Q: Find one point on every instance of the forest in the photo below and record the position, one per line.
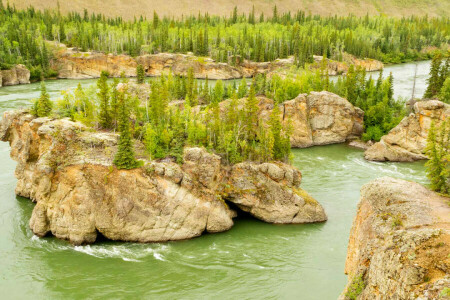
(226, 39)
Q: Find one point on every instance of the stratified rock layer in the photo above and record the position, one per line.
(67, 169)
(407, 141)
(399, 242)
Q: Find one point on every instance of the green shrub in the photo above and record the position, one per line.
(356, 287)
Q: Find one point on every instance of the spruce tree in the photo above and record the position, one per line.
(251, 110)
(242, 89)
(435, 152)
(434, 80)
(124, 158)
(103, 96)
(114, 103)
(444, 95)
(44, 105)
(140, 74)
(275, 127)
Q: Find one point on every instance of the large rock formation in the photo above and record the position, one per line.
(407, 141)
(74, 64)
(399, 243)
(19, 74)
(317, 118)
(67, 170)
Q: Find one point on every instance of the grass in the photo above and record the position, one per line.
(128, 9)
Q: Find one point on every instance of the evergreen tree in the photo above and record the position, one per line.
(44, 105)
(242, 89)
(444, 95)
(114, 103)
(434, 80)
(218, 91)
(103, 96)
(275, 127)
(351, 85)
(124, 158)
(437, 151)
(140, 73)
(251, 110)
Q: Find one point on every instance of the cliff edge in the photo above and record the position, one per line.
(399, 243)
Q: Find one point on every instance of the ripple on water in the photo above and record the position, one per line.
(127, 252)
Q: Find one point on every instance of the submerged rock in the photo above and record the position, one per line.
(399, 243)
(67, 170)
(407, 141)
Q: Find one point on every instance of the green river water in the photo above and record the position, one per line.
(253, 260)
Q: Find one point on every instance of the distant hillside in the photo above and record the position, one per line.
(130, 8)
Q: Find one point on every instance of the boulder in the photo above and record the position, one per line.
(271, 193)
(399, 243)
(67, 170)
(19, 74)
(407, 141)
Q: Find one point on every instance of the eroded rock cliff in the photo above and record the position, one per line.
(73, 64)
(407, 141)
(19, 74)
(399, 243)
(67, 170)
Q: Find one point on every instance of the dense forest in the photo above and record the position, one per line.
(226, 39)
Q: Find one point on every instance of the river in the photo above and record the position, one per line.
(253, 260)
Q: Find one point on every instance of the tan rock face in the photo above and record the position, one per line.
(399, 242)
(319, 118)
(76, 65)
(338, 67)
(19, 74)
(81, 65)
(407, 141)
(67, 170)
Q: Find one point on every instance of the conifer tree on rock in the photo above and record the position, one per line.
(43, 106)
(434, 81)
(251, 110)
(124, 158)
(103, 96)
(438, 152)
(140, 73)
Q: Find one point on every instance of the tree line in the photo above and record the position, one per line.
(226, 39)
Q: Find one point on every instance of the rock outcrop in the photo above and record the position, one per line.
(341, 67)
(407, 141)
(67, 170)
(19, 74)
(317, 118)
(399, 243)
(73, 64)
